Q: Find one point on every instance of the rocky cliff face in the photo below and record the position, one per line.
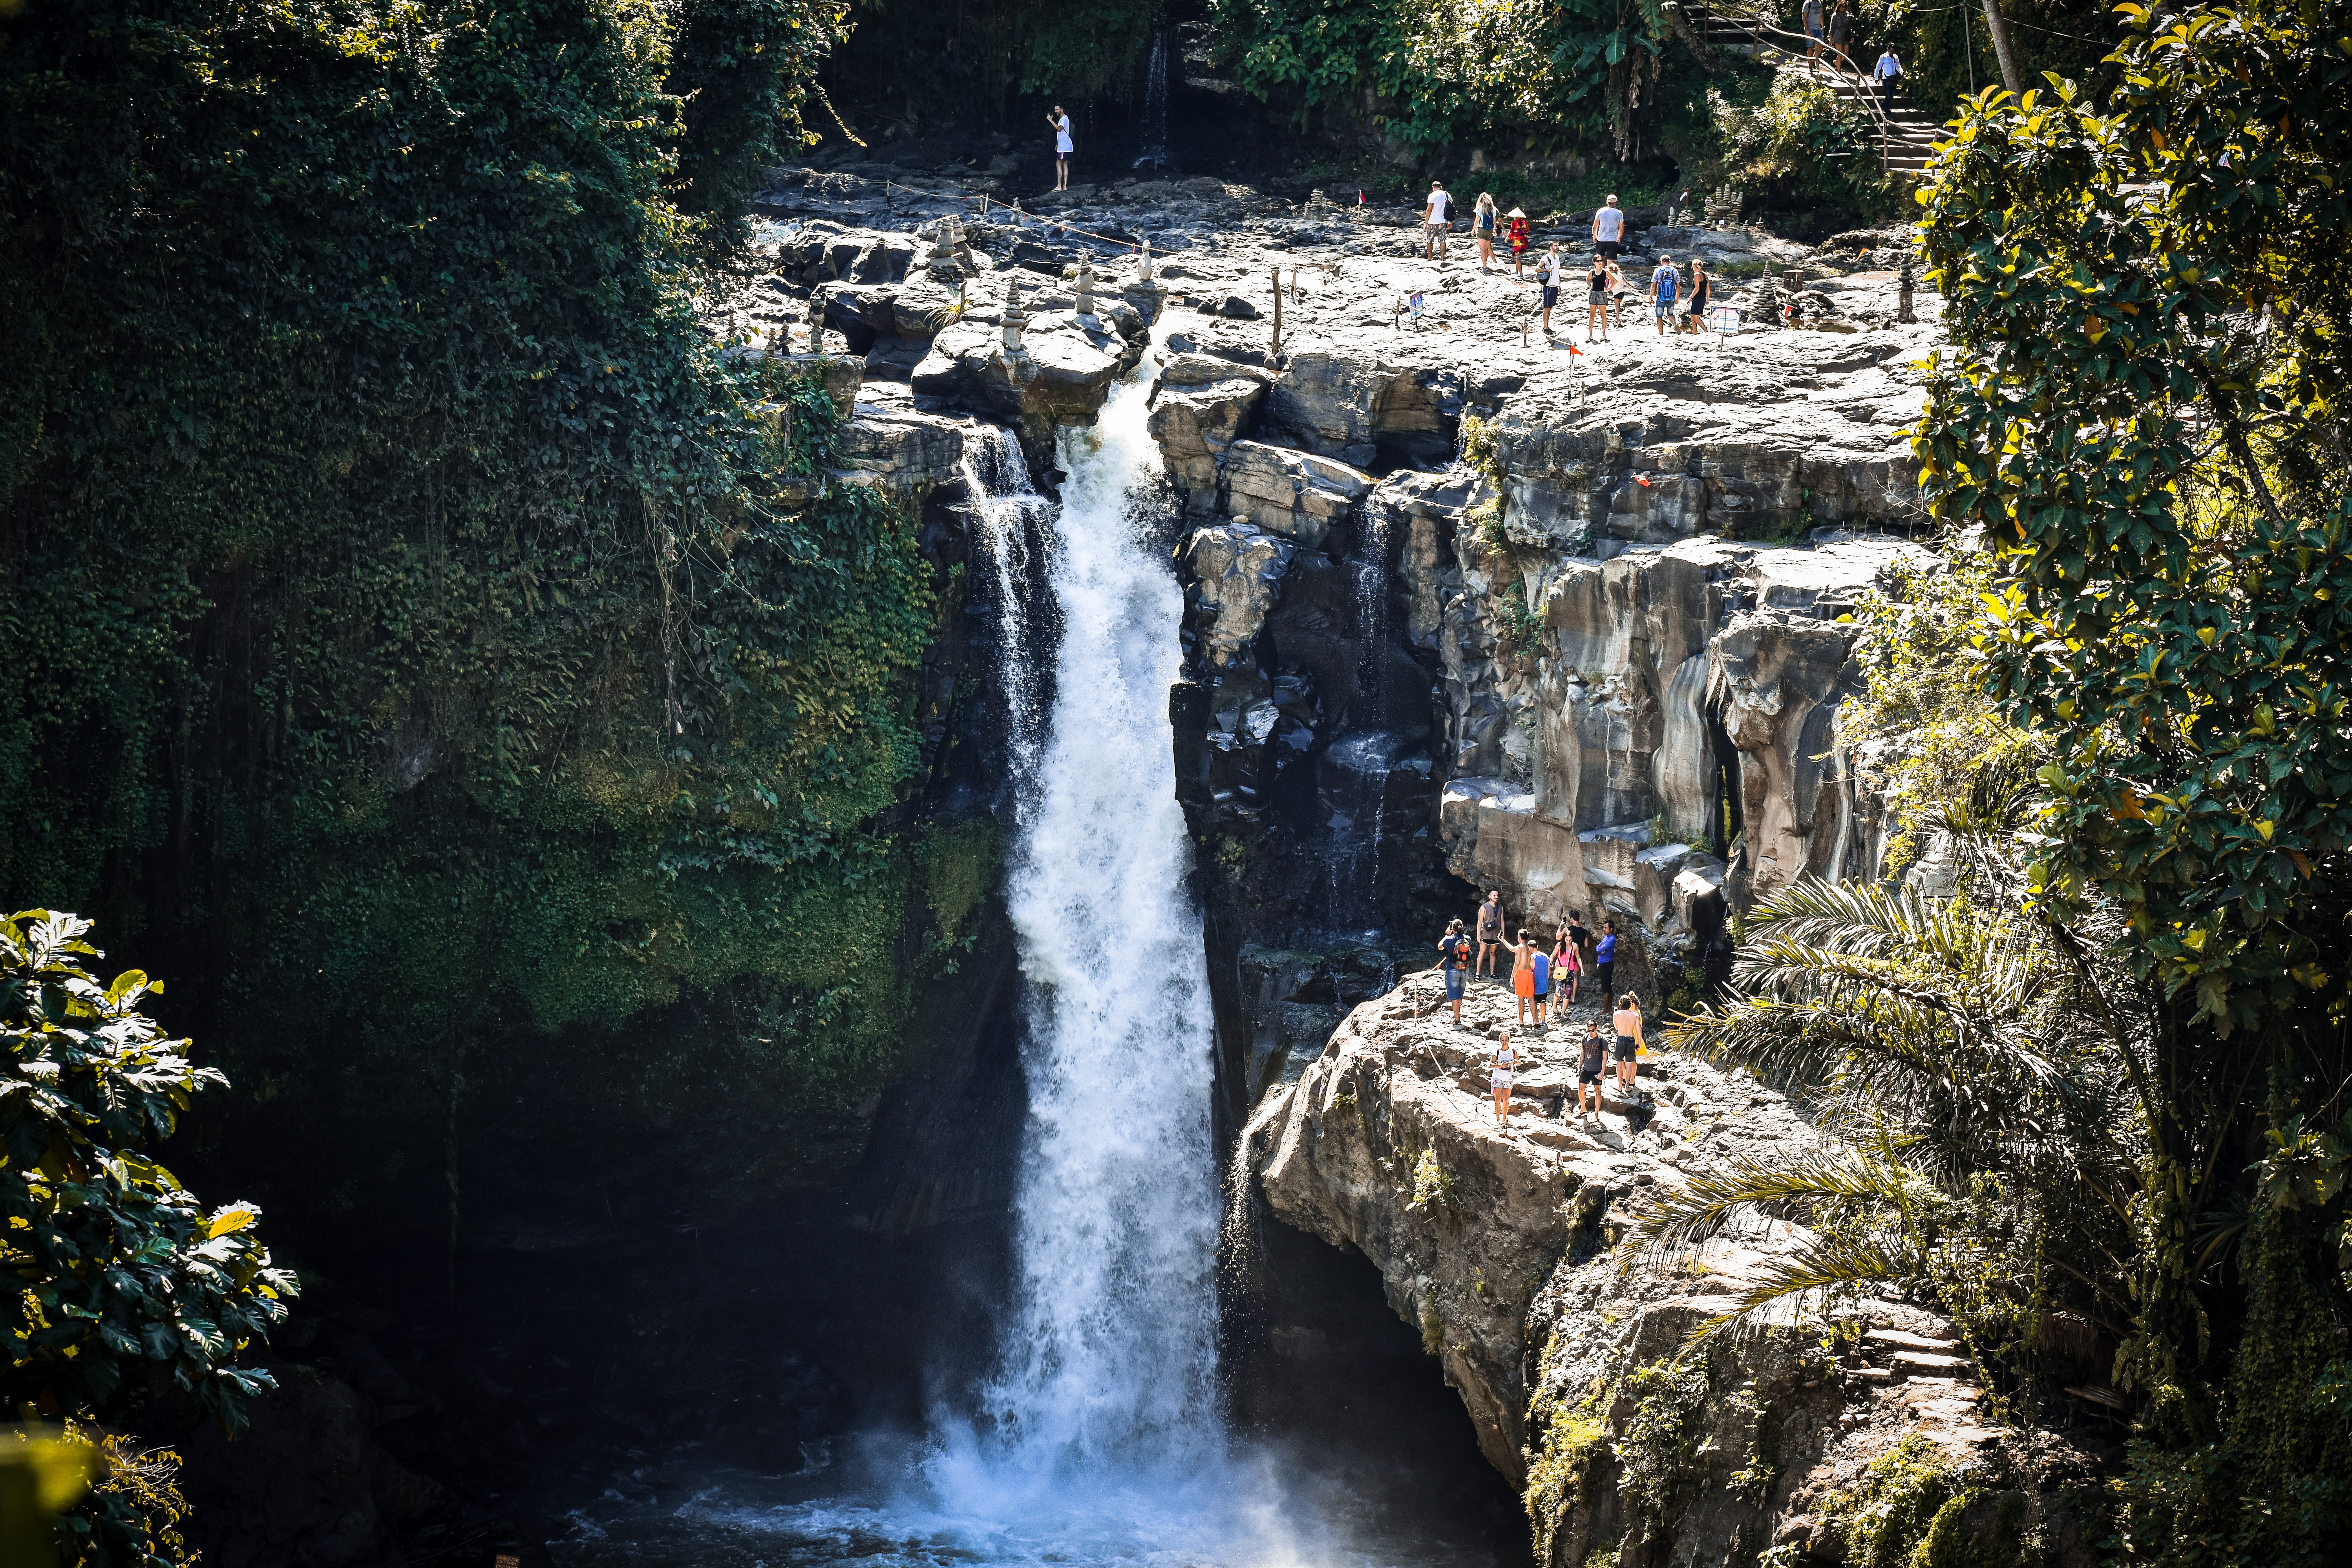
(1498, 1241)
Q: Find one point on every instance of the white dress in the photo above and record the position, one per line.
(1062, 147)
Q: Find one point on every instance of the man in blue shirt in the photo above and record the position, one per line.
(1666, 284)
(1604, 959)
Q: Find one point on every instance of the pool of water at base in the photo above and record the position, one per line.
(892, 1505)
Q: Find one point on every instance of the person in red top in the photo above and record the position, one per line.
(1517, 233)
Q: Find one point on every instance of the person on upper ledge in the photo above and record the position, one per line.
(1490, 931)
(1060, 122)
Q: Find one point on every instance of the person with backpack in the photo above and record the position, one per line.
(1548, 272)
(1567, 966)
(1666, 283)
(1454, 963)
(1490, 928)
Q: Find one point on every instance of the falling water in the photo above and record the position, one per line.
(1109, 1343)
(1153, 136)
(1013, 520)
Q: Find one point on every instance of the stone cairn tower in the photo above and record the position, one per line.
(1903, 305)
(1086, 287)
(1014, 319)
(1768, 299)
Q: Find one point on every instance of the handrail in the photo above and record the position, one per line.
(1766, 33)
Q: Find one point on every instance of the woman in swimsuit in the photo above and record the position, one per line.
(1506, 1062)
(1482, 228)
(1523, 973)
(1628, 1020)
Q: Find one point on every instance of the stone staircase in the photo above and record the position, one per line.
(1909, 135)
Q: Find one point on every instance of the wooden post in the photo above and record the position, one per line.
(1277, 312)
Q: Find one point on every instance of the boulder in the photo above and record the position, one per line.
(1237, 572)
(1296, 494)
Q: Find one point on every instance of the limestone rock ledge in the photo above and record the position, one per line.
(1497, 1242)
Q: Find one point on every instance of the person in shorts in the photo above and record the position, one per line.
(1490, 929)
(1842, 36)
(1567, 966)
(1548, 272)
(1523, 975)
(1816, 29)
(1666, 284)
(1060, 122)
(1434, 227)
(1506, 1062)
(1454, 963)
(1541, 964)
(1591, 1064)
(1628, 1020)
(1596, 315)
(1699, 293)
(1484, 221)
(1609, 229)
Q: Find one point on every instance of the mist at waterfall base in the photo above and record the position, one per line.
(1096, 1435)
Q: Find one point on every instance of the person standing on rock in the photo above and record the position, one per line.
(1434, 227)
(1517, 233)
(1540, 963)
(1609, 229)
(1060, 122)
(1590, 1066)
(1596, 313)
(1454, 963)
(1523, 973)
(1628, 1020)
(1483, 220)
(1604, 959)
(1699, 292)
(1664, 284)
(1549, 273)
(1506, 1062)
(1567, 966)
(1490, 929)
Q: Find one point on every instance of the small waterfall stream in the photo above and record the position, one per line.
(1151, 138)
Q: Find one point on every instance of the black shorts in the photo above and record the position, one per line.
(1589, 1075)
(1612, 248)
(1551, 296)
(1626, 1047)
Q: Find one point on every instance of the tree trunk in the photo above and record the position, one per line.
(1999, 31)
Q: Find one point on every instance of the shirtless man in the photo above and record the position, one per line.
(1490, 931)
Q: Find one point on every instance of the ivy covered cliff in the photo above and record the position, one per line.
(419, 642)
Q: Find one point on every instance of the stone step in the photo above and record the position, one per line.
(1914, 1365)
(1899, 1340)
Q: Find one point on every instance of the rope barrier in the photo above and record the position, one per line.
(1013, 208)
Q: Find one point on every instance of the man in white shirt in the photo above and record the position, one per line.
(1887, 70)
(1434, 227)
(1548, 272)
(1609, 229)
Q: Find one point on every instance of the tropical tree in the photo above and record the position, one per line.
(122, 1286)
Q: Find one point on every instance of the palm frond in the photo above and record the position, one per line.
(1778, 1296)
(1714, 1198)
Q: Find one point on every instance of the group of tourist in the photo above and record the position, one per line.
(1605, 287)
(1544, 980)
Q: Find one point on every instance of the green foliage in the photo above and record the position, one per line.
(1567, 1437)
(124, 1286)
(1803, 150)
(404, 608)
(1950, 766)
(2144, 412)
(1432, 1186)
(1889, 1520)
(922, 67)
(1657, 1447)
(1505, 75)
(1984, 1152)
(741, 71)
(133, 1516)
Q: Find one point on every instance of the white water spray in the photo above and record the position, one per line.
(1109, 1344)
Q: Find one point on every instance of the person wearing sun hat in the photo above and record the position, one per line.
(1515, 231)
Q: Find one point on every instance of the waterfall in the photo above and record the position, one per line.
(1011, 521)
(1152, 138)
(1109, 1346)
